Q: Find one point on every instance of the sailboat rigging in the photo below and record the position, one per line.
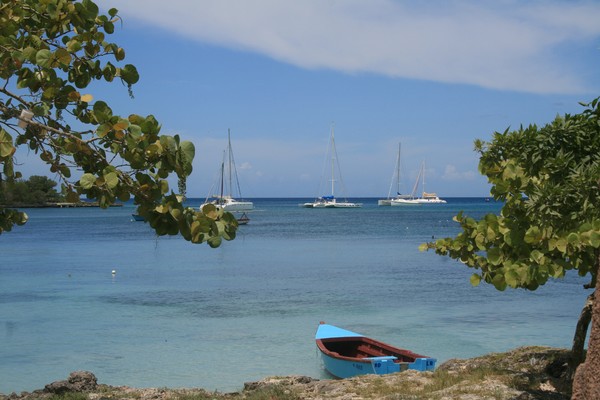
(229, 178)
(426, 198)
(395, 177)
(331, 201)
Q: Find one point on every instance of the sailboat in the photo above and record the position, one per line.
(396, 177)
(229, 182)
(426, 198)
(331, 201)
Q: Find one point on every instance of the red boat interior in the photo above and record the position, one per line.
(362, 347)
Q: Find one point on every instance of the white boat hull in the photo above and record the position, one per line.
(232, 205)
(321, 203)
(431, 201)
(405, 202)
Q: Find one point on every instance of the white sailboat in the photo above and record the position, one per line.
(331, 201)
(426, 198)
(229, 184)
(396, 178)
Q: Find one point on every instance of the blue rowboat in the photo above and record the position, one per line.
(346, 354)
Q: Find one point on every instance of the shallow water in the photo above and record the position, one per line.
(183, 315)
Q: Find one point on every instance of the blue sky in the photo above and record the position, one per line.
(433, 75)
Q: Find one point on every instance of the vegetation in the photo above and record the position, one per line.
(53, 54)
(35, 191)
(549, 181)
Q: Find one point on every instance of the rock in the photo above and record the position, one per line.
(79, 381)
(527, 373)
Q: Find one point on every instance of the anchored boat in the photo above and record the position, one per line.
(346, 354)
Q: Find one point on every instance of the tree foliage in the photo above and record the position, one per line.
(549, 181)
(37, 190)
(51, 52)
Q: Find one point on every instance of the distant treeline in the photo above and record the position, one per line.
(35, 191)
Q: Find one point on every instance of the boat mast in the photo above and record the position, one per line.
(423, 172)
(398, 170)
(414, 191)
(332, 162)
(222, 178)
(230, 155)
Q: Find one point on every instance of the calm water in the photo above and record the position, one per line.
(183, 315)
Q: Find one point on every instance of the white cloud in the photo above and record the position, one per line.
(504, 44)
(245, 166)
(452, 174)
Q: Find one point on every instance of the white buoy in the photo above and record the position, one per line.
(114, 271)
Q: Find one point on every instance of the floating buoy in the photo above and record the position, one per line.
(114, 271)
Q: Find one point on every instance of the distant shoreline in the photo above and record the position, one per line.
(60, 205)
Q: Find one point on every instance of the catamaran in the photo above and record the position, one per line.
(426, 198)
(331, 201)
(228, 176)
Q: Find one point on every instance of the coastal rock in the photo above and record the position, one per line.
(78, 381)
(526, 373)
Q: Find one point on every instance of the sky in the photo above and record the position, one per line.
(279, 74)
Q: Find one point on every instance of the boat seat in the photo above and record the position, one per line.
(369, 351)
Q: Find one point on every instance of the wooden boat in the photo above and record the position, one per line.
(243, 219)
(346, 354)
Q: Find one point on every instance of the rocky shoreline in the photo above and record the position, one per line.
(524, 373)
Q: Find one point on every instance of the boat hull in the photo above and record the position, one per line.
(346, 354)
(229, 204)
(405, 202)
(330, 202)
(239, 206)
(431, 201)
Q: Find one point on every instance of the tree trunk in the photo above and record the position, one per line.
(586, 385)
(578, 349)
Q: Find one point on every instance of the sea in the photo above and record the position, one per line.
(90, 289)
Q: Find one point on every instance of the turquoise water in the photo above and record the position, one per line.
(183, 315)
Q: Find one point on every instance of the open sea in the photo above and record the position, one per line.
(181, 315)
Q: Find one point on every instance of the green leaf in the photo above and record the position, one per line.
(74, 46)
(475, 279)
(561, 245)
(111, 179)
(6, 145)
(87, 181)
(129, 74)
(572, 238)
(62, 56)
(512, 278)
(595, 239)
(215, 242)
(533, 235)
(537, 256)
(188, 152)
(44, 58)
(494, 256)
